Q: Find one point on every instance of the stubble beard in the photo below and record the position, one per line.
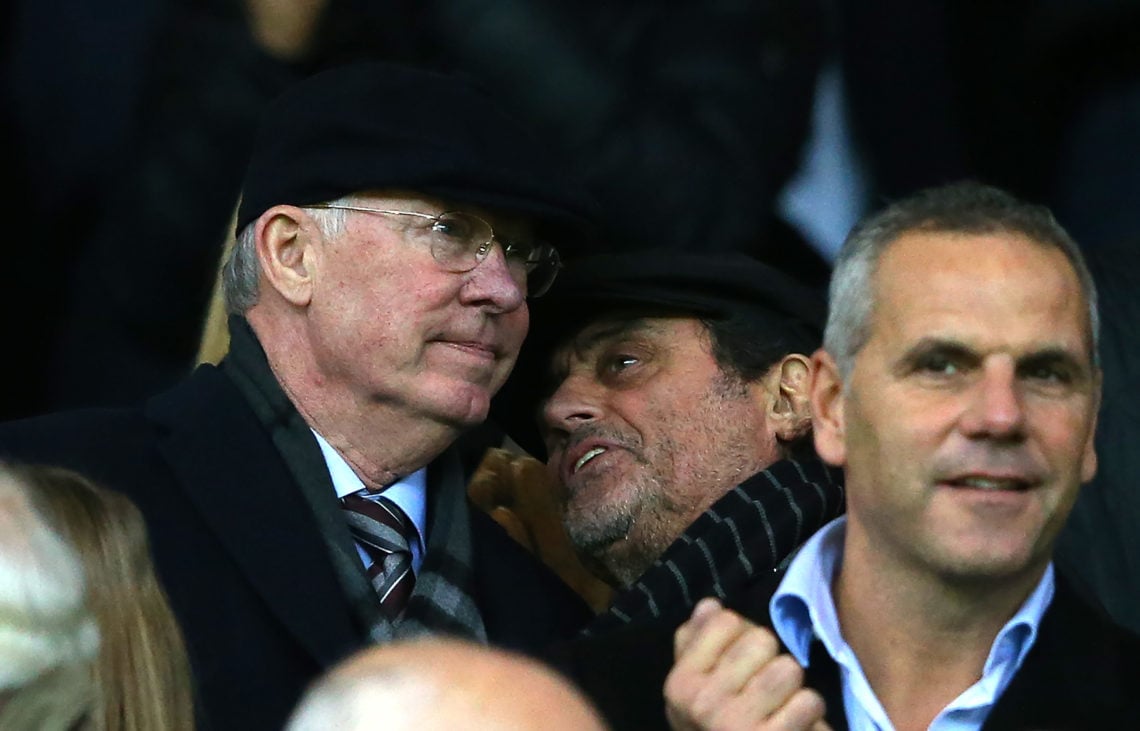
(603, 533)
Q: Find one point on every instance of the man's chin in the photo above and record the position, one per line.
(594, 537)
(459, 404)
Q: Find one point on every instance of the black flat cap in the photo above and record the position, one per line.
(372, 125)
(715, 286)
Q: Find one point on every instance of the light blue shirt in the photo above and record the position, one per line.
(410, 493)
(803, 609)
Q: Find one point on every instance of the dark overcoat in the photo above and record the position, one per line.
(240, 554)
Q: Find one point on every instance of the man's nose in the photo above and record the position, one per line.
(996, 409)
(491, 283)
(577, 401)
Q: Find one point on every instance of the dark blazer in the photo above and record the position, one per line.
(1083, 672)
(239, 552)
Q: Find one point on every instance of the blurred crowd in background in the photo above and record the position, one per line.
(762, 125)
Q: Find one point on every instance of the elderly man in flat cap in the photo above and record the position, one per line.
(670, 392)
(307, 497)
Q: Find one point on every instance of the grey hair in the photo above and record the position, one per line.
(967, 208)
(241, 270)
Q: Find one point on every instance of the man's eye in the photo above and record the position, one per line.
(1050, 374)
(451, 228)
(619, 363)
(938, 365)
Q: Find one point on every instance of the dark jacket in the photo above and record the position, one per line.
(240, 554)
(1083, 672)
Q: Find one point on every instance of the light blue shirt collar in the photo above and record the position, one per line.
(803, 609)
(410, 493)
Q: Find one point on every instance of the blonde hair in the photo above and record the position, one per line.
(48, 636)
(142, 672)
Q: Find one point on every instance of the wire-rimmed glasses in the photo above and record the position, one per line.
(461, 241)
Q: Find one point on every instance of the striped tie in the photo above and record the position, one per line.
(382, 530)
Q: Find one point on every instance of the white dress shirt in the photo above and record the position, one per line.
(803, 609)
(410, 493)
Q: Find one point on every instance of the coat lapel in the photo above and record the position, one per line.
(230, 470)
(1080, 673)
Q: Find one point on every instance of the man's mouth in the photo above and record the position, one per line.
(585, 458)
(580, 454)
(479, 349)
(990, 483)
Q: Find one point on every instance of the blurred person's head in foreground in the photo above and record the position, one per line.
(48, 636)
(421, 685)
(142, 672)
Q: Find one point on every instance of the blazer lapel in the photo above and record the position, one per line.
(1074, 675)
(229, 468)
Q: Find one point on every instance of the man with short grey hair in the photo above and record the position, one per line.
(958, 387)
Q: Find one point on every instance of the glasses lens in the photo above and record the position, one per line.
(544, 269)
(533, 265)
(460, 241)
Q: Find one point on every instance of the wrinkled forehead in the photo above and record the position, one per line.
(973, 281)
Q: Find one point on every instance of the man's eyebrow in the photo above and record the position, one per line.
(946, 347)
(591, 335)
(584, 342)
(1055, 356)
(952, 348)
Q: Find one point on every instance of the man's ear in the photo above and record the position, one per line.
(285, 238)
(1088, 457)
(789, 411)
(827, 404)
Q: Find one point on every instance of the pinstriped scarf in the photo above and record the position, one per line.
(750, 532)
(442, 601)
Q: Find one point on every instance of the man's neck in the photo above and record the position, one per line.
(380, 442)
(919, 641)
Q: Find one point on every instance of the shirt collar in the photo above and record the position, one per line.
(803, 609)
(410, 492)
